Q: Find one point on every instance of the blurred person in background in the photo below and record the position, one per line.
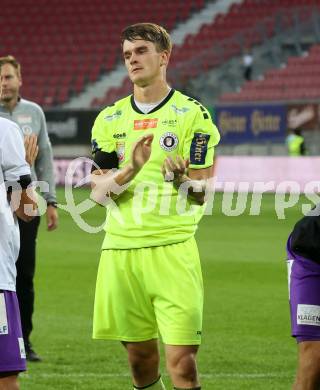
(31, 120)
(303, 251)
(295, 143)
(247, 61)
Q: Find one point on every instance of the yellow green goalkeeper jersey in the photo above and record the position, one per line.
(152, 212)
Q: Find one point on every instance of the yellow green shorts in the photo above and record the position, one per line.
(146, 291)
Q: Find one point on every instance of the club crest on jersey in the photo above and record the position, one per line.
(120, 148)
(26, 130)
(143, 124)
(169, 141)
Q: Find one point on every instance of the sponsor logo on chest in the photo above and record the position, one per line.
(178, 110)
(120, 150)
(111, 117)
(25, 119)
(143, 124)
(169, 122)
(119, 135)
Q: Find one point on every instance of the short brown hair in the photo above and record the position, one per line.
(148, 32)
(12, 61)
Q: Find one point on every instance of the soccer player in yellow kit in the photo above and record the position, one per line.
(149, 279)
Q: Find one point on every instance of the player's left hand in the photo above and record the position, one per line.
(31, 147)
(52, 218)
(173, 169)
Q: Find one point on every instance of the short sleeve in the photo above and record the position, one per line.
(13, 161)
(202, 137)
(101, 137)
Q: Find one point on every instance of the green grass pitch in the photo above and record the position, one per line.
(246, 334)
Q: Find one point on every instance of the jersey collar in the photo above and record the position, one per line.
(4, 107)
(135, 108)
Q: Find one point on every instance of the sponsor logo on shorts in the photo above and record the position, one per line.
(143, 124)
(169, 141)
(21, 348)
(3, 316)
(289, 268)
(308, 315)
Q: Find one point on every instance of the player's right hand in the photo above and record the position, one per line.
(174, 169)
(141, 151)
(30, 144)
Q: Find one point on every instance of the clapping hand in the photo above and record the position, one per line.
(141, 152)
(174, 169)
(30, 144)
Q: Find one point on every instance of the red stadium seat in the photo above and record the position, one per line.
(298, 81)
(78, 39)
(223, 29)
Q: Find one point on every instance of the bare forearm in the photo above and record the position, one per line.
(111, 184)
(125, 175)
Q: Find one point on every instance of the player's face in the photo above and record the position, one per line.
(10, 83)
(144, 63)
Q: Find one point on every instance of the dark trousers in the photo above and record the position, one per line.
(248, 73)
(26, 265)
